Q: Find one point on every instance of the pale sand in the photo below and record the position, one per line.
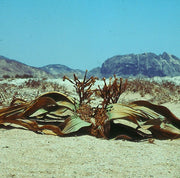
(26, 154)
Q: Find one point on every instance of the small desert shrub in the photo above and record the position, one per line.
(33, 83)
(5, 93)
(43, 86)
(142, 86)
(23, 76)
(6, 76)
(171, 86)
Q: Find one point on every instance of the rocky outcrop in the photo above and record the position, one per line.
(145, 64)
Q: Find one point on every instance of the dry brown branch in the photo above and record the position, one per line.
(112, 91)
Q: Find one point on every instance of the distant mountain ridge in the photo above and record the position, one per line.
(59, 70)
(11, 68)
(130, 65)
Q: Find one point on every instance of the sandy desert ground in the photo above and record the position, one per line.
(26, 154)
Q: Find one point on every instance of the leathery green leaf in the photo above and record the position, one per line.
(66, 104)
(57, 96)
(39, 112)
(74, 124)
(118, 111)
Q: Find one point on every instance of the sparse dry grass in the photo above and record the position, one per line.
(160, 92)
(28, 90)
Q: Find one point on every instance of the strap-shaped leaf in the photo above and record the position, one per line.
(74, 124)
(119, 111)
(162, 110)
(164, 131)
(57, 110)
(157, 119)
(67, 105)
(12, 110)
(54, 102)
(57, 96)
(39, 112)
(41, 102)
(61, 100)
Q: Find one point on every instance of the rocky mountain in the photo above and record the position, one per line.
(145, 64)
(130, 65)
(12, 68)
(59, 70)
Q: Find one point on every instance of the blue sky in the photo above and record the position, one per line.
(84, 33)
